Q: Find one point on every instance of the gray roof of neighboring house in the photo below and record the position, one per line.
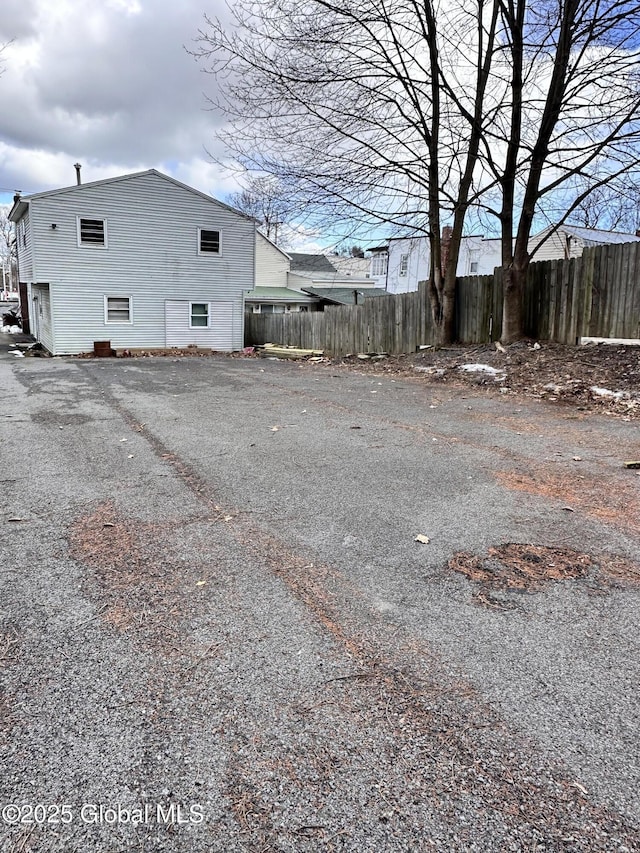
(277, 294)
(597, 236)
(589, 236)
(302, 262)
(345, 295)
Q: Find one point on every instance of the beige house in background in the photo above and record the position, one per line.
(290, 282)
(568, 241)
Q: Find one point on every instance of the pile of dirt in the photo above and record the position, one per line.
(595, 377)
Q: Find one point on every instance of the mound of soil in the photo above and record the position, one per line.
(602, 377)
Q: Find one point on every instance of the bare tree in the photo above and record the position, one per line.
(570, 120)
(8, 255)
(263, 200)
(409, 114)
(349, 106)
(611, 208)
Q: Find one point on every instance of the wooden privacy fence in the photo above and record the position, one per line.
(596, 295)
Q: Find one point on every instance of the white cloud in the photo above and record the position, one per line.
(109, 85)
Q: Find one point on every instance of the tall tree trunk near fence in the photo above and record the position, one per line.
(514, 279)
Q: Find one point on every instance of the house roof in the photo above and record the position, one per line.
(19, 207)
(303, 263)
(345, 295)
(597, 236)
(590, 236)
(349, 266)
(277, 294)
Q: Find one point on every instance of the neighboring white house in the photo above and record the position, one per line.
(400, 264)
(404, 261)
(141, 260)
(568, 241)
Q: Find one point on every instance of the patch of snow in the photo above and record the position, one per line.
(606, 392)
(436, 371)
(498, 375)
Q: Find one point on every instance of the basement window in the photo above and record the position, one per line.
(208, 242)
(92, 232)
(198, 315)
(117, 309)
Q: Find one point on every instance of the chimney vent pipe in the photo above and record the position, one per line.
(77, 167)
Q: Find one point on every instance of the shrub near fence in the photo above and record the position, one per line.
(596, 295)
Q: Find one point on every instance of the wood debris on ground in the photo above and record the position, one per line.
(278, 351)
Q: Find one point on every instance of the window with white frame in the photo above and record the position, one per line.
(404, 264)
(379, 264)
(92, 232)
(208, 241)
(473, 268)
(118, 309)
(198, 315)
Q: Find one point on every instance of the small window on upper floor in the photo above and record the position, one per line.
(208, 242)
(92, 232)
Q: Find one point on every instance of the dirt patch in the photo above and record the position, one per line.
(618, 505)
(554, 372)
(529, 568)
(138, 574)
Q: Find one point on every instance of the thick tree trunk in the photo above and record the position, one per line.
(442, 292)
(514, 281)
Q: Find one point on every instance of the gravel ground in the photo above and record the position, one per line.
(215, 615)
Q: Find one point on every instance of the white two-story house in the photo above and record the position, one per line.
(140, 260)
(403, 262)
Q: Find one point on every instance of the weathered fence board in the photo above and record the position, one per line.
(597, 295)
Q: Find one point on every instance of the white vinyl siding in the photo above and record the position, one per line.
(24, 245)
(118, 309)
(218, 335)
(272, 265)
(407, 264)
(152, 228)
(556, 247)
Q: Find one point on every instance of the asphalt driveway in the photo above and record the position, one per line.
(218, 631)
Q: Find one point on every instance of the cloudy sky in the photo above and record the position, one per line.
(107, 84)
